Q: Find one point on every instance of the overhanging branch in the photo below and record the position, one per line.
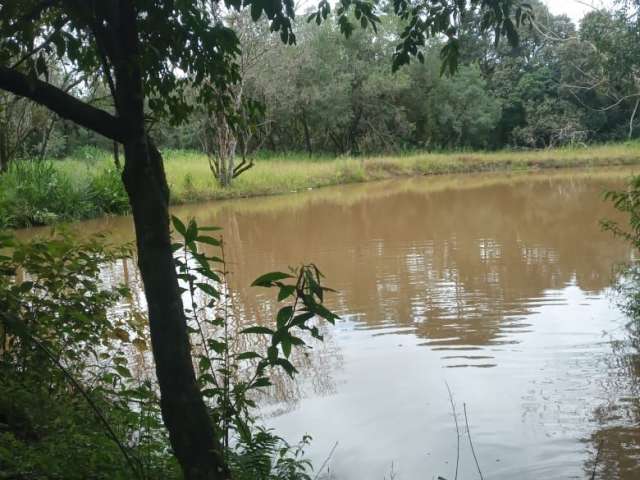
(65, 105)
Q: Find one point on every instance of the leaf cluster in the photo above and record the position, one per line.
(231, 366)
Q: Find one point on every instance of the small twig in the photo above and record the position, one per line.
(455, 419)
(473, 450)
(595, 464)
(326, 461)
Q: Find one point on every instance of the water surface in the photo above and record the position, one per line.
(495, 287)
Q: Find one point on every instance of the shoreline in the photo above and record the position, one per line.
(191, 181)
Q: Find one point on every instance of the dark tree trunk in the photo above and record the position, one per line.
(307, 135)
(4, 150)
(191, 430)
(116, 155)
(184, 413)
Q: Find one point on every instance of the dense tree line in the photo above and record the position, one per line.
(564, 84)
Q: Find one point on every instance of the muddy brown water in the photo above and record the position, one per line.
(495, 287)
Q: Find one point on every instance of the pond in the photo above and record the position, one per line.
(478, 325)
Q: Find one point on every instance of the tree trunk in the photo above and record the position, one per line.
(184, 413)
(116, 155)
(191, 430)
(632, 118)
(307, 135)
(45, 138)
(4, 149)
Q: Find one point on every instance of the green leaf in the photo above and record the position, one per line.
(286, 291)
(259, 330)
(243, 431)
(256, 10)
(210, 274)
(208, 240)
(286, 347)
(261, 382)
(248, 355)
(209, 392)
(297, 341)
(301, 319)
(287, 366)
(179, 226)
(267, 279)
(284, 315)
(325, 313)
(208, 289)
(217, 346)
(204, 363)
(192, 231)
(123, 371)
(272, 354)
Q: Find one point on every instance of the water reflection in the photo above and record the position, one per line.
(615, 444)
(496, 284)
(461, 268)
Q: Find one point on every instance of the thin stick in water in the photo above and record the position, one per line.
(473, 450)
(595, 464)
(455, 419)
(326, 461)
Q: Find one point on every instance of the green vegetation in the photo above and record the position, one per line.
(88, 185)
(188, 179)
(71, 381)
(566, 84)
(44, 192)
(146, 75)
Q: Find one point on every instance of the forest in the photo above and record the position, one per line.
(174, 337)
(564, 84)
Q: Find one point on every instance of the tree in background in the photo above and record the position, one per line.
(603, 69)
(230, 127)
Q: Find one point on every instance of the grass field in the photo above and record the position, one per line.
(190, 179)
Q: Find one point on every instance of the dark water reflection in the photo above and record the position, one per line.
(497, 285)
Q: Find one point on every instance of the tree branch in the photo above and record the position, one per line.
(30, 17)
(63, 104)
(44, 43)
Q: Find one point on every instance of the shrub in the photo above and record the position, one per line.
(106, 192)
(70, 406)
(37, 193)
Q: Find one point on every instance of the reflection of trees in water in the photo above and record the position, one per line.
(461, 259)
(615, 444)
(616, 441)
(316, 365)
(461, 267)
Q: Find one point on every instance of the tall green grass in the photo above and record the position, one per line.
(38, 193)
(190, 179)
(87, 185)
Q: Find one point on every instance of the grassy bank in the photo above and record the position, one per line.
(190, 179)
(86, 185)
